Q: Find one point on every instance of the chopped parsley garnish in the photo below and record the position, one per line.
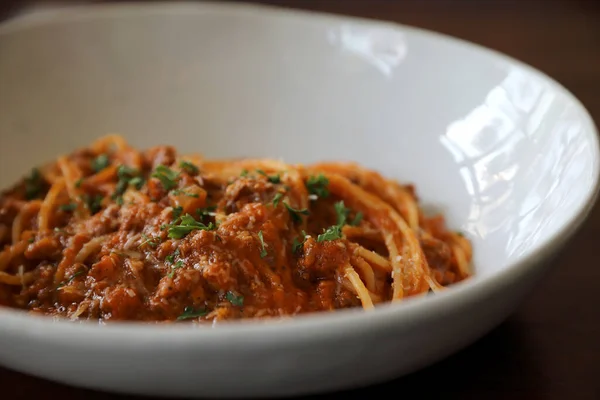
(206, 211)
(189, 312)
(177, 192)
(332, 233)
(127, 176)
(274, 179)
(244, 173)
(31, 240)
(33, 184)
(178, 265)
(166, 176)
(93, 203)
(171, 257)
(150, 241)
(335, 232)
(271, 178)
(357, 218)
(236, 300)
(277, 198)
(263, 251)
(78, 182)
(187, 225)
(137, 182)
(342, 215)
(342, 212)
(68, 207)
(100, 162)
(120, 188)
(297, 244)
(295, 214)
(75, 275)
(124, 171)
(317, 185)
(177, 212)
(189, 167)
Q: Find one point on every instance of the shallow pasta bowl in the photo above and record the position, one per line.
(507, 154)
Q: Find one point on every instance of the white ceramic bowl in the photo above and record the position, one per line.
(509, 155)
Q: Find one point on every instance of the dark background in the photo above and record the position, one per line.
(550, 347)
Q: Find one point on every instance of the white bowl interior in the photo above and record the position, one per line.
(508, 155)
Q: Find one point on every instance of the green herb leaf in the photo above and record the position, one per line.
(297, 244)
(78, 182)
(317, 185)
(126, 176)
(332, 233)
(100, 162)
(31, 240)
(33, 184)
(125, 171)
(271, 178)
(68, 207)
(295, 214)
(335, 232)
(177, 192)
(277, 198)
(120, 188)
(187, 225)
(342, 212)
(178, 265)
(263, 252)
(236, 300)
(75, 275)
(171, 257)
(93, 203)
(189, 167)
(206, 211)
(189, 312)
(150, 241)
(244, 173)
(357, 218)
(274, 179)
(166, 176)
(137, 182)
(177, 212)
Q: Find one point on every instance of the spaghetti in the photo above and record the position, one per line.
(110, 232)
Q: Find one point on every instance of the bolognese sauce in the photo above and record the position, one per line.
(110, 232)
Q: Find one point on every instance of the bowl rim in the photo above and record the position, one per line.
(328, 325)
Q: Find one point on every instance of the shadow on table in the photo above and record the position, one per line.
(481, 368)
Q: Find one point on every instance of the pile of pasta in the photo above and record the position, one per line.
(114, 232)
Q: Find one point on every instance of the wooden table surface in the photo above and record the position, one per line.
(550, 347)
